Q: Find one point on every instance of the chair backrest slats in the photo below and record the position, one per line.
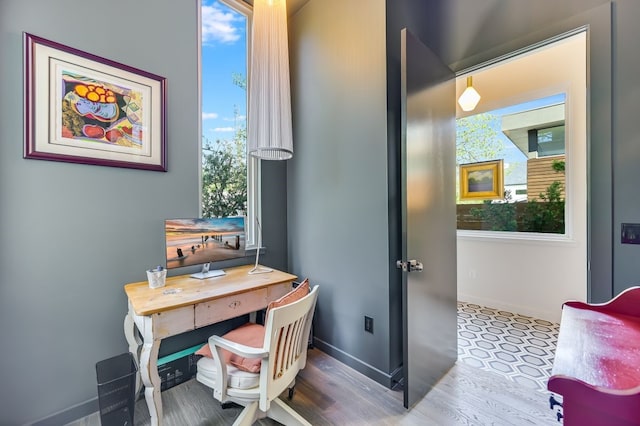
(286, 339)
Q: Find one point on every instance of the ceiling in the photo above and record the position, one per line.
(294, 5)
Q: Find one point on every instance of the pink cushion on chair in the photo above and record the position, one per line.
(236, 378)
(294, 295)
(249, 334)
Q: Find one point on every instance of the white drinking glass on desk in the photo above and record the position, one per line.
(156, 277)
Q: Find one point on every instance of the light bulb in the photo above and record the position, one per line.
(469, 98)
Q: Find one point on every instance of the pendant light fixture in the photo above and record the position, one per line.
(470, 97)
(269, 134)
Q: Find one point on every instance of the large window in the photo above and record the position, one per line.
(230, 180)
(529, 138)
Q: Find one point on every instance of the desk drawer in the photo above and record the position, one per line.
(230, 307)
(170, 323)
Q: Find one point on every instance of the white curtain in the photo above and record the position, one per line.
(269, 116)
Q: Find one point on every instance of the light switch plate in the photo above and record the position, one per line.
(630, 233)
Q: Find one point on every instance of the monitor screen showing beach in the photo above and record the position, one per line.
(197, 241)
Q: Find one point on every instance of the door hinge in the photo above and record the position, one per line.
(410, 266)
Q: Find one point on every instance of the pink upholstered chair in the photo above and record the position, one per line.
(282, 355)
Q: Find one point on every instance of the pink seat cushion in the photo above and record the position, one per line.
(249, 334)
(236, 378)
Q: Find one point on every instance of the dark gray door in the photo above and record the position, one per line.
(428, 218)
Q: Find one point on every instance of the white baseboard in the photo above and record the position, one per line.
(530, 311)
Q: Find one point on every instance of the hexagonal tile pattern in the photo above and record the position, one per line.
(535, 351)
(494, 330)
(533, 360)
(538, 342)
(501, 366)
(474, 363)
(466, 335)
(479, 353)
(485, 345)
(464, 343)
(514, 340)
(509, 347)
(510, 358)
(529, 371)
(489, 337)
(515, 346)
(515, 332)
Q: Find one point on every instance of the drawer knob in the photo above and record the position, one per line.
(234, 304)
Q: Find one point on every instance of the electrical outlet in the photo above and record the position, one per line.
(368, 324)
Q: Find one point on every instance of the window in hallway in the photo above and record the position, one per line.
(529, 139)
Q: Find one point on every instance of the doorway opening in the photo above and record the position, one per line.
(522, 248)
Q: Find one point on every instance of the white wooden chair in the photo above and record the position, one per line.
(283, 354)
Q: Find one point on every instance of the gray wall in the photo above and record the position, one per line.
(626, 140)
(329, 118)
(72, 235)
(337, 180)
(465, 33)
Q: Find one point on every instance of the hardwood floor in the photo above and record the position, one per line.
(331, 393)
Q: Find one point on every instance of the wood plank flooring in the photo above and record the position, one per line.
(331, 393)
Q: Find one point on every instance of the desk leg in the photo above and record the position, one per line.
(134, 342)
(150, 377)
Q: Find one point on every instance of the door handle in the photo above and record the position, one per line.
(410, 265)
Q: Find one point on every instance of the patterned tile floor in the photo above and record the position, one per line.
(518, 347)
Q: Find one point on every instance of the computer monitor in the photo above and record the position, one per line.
(201, 241)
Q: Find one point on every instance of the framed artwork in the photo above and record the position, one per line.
(81, 108)
(482, 181)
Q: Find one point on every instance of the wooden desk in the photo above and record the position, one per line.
(186, 303)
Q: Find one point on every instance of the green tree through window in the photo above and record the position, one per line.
(225, 188)
(476, 138)
(224, 176)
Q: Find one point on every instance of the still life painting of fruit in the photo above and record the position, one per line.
(86, 109)
(101, 112)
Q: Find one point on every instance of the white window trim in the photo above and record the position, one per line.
(567, 237)
(571, 145)
(254, 187)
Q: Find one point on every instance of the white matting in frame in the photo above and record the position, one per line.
(82, 108)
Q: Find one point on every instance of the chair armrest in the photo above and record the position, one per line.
(217, 343)
(237, 348)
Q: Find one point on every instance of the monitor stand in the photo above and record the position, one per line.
(206, 273)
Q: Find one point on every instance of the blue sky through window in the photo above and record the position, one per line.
(511, 153)
(527, 106)
(224, 41)
(515, 160)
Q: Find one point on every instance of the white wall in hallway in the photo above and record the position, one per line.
(534, 275)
